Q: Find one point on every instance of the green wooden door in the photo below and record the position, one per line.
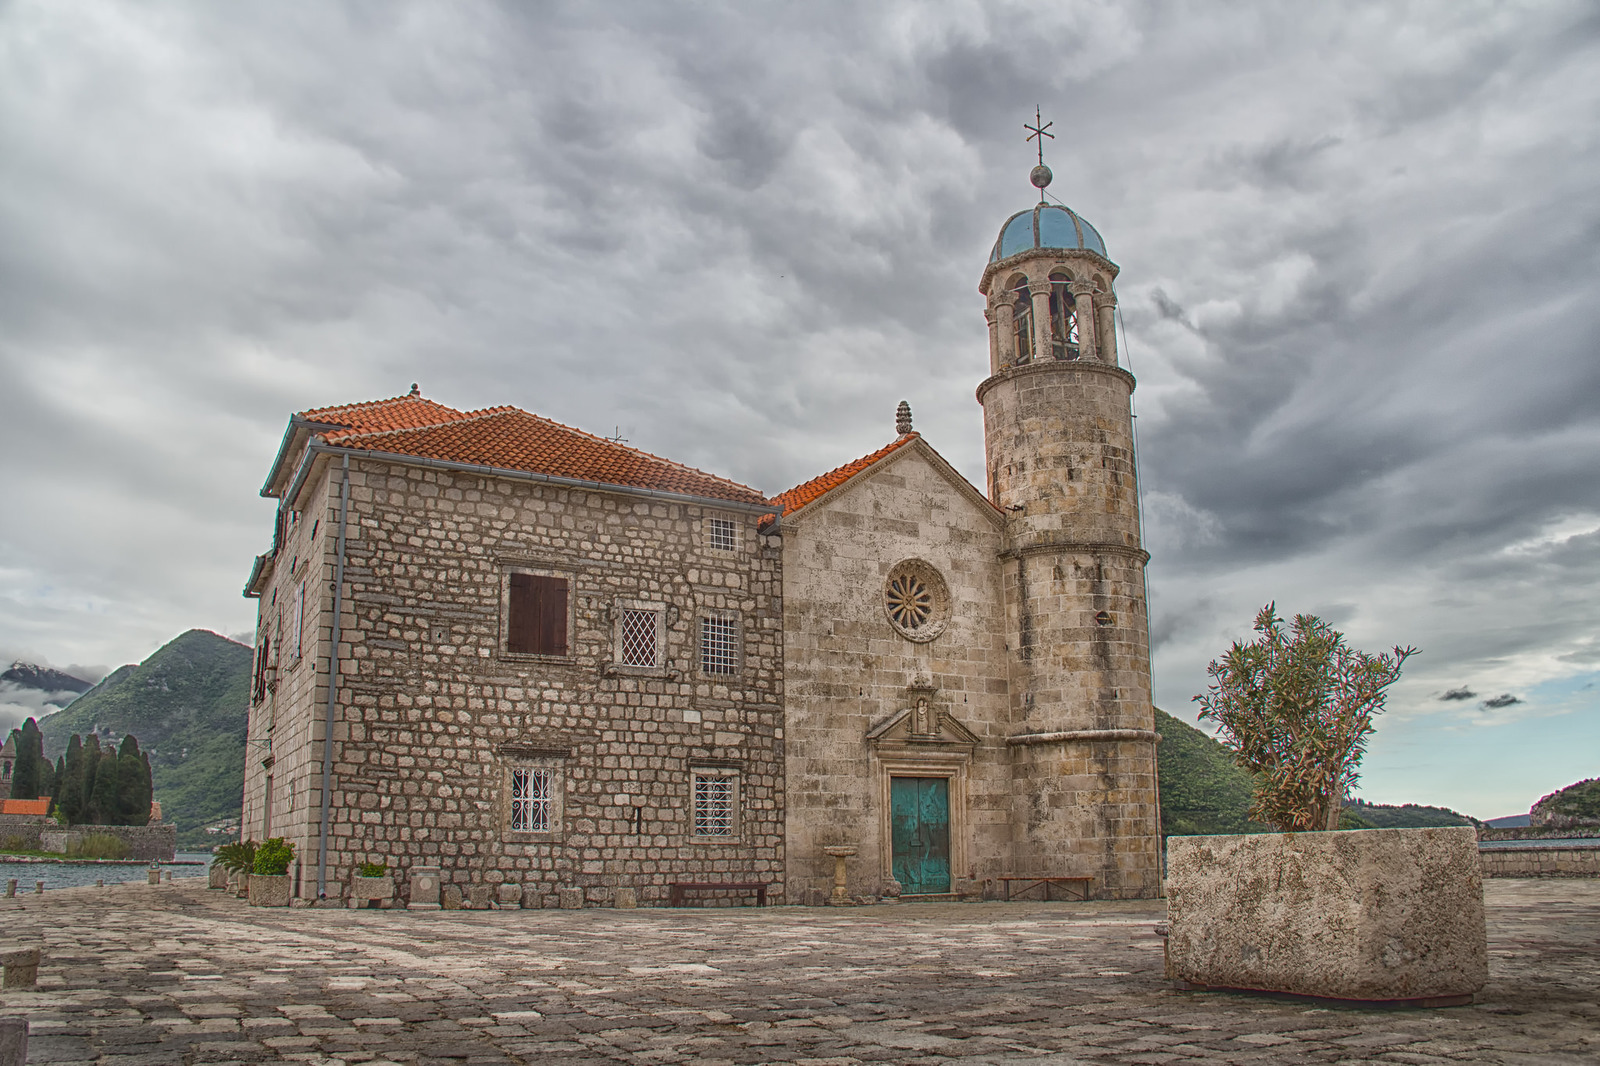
(919, 819)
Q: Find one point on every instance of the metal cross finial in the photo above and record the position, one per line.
(1039, 131)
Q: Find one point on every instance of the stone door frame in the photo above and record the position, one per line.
(949, 765)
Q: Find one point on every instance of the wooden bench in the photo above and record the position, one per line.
(1085, 885)
(676, 889)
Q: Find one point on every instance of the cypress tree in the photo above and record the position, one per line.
(30, 753)
(47, 777)
(69, 781)
(133, 784)
(91, 767)
(55, 785)
(103, 797)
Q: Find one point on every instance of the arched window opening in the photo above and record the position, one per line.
(1022, 321)
(1063, 319)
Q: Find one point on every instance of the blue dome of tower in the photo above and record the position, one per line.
(1046, 226)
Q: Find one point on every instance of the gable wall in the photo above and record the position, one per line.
(847, 669)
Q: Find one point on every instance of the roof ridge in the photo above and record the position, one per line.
(638, 451)
(365, 405)
(461, 416)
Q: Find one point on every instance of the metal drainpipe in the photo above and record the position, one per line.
(333, 681)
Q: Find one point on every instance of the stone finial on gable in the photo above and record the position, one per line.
(902, 418)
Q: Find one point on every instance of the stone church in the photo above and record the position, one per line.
(548, 660)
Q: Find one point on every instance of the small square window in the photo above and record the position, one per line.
(722, 535)
(714, 805)
(639, 630)
(532, 799)
(719, 645)
(536, 609)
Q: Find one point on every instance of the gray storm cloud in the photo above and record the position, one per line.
(1357, 248)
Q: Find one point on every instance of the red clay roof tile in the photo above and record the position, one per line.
(512, 439)
(804, 493)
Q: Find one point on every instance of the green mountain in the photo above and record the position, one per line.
(1204, 791)
(187, 704)
(1575, 805)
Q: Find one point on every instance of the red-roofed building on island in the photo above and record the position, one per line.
(557, 670)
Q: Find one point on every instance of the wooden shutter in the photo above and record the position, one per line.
(521, 626)
(550, 593)
(538, 615)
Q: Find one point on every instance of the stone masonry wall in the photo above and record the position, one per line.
(433, 714)
(1059, 446)
(848, 669)
(1540, 862)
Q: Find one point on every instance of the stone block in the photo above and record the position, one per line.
(424, 889)
(625, 899)
(1376, 914)
(13, 1041)
(365, 891)
(450, 897)
(21, 966)
(154, 875)
(571, 899)
(217, 877)
(479, 897)
(269, 890)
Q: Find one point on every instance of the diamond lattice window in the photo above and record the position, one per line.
(723, 535)
(719, 645)
(713, 806)
(531, 800)
(639, 637)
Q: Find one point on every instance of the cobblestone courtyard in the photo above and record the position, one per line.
(177, 974)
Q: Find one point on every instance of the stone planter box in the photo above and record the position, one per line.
(366, 890)
(269, 890)
(217, 877)
(1374, 914)
(239, 885)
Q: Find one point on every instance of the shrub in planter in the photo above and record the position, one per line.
(1378, 914)
(371, 884)
(269, 878)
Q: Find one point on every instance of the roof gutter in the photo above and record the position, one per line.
(315, 449)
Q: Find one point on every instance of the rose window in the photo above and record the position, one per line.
(916, 600)
(910, 603)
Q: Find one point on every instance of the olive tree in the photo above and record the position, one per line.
(1295, 707)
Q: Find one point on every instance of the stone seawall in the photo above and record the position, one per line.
(1536, 832)
(153, 842)
(1540, 862)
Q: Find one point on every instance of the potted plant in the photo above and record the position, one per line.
(1375, 914)
(371, 884)
(269, 878)
(235, 860)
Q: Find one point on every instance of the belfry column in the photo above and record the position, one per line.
(1039, 292)
(995, 358)
(1083, 308)
(1106, 304)
(1008, 334)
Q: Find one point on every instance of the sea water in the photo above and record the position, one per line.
(76, 874)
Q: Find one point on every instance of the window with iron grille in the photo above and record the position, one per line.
(723, 535)
(531, 800)
(713, 805)
(719, 645)
(639, 630)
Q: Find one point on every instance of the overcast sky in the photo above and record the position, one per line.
(1359, 276)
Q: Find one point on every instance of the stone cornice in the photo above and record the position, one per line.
(1086, 547)
(1056, 366)
(1084, 736)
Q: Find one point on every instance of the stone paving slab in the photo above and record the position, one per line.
(176, 974)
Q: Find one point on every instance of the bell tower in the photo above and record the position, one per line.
(1058, 435)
